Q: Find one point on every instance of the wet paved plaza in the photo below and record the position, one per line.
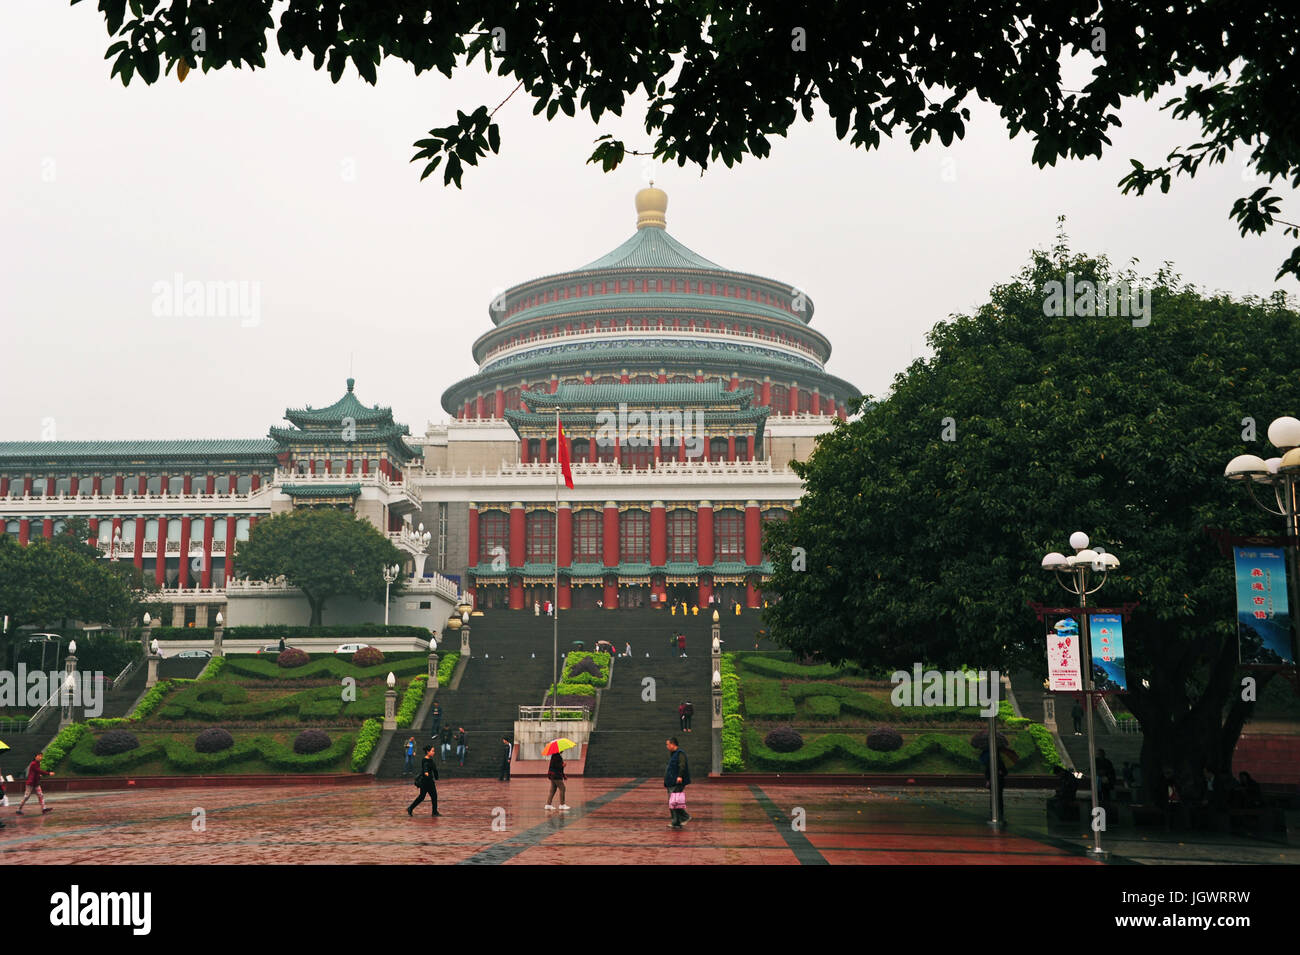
(489, 822)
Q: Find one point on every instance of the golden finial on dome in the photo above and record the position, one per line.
(651, 204)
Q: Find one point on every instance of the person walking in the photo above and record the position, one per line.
(681, 643)
(461, 745)
(681, 715)
(505, 758)
(428, 783)
(446, 742)
(33, 788)
(688, 710)
(409, 765)
(555, 773)
(437, 719)
(676, 778)
(627, 650)
(1076, 713)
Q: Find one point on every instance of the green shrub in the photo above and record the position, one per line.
(292, 658)
(64, 743)
(114, 742)
(213, 740)
(446, 667)
(84, 759)
(213, 669)
(783, 739)
(411, 700)
(766, 700)
(367, 657)
(733, 724)
(578, 670)
(884, 739)
(839, 745)
(326, 666)
(311, 741)
(1044, 744)
(371, 731)
(766, 665)
(822, 708)
(153, 699)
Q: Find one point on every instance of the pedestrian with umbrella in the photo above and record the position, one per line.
(555, 771)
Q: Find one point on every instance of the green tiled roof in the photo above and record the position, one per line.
(321, 490)
(209, 448)
(626, 569)
(652, 249)
(346, 407)
(663, 304)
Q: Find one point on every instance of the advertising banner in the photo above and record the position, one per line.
(1107, 633)
(1063, 656)
(1263, 617)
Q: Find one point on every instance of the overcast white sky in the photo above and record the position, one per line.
(243, 176)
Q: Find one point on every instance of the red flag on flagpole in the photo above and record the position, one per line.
(562, 452)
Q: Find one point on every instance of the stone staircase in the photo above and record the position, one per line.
(1120, 747)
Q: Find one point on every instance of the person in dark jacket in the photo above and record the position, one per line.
(508, 751)
(461, 745)
(676, 778)
(436, 716)
(427, 781)
(446, 742)
(555, 773)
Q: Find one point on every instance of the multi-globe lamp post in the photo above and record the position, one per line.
(390, 574)
(1282, 476)
(1078, 575)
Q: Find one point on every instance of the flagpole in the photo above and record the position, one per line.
(555, 559)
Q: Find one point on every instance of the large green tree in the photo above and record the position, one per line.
(925, 519)
(323, 552)
(723, 77)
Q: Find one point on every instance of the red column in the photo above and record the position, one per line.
(705, 455)
(47, 528)
(706, 592)
(346, 470)
(731, 447)
(753, 535)
(205, 581)
(681, 449)
(586, 377)
(735, 381)
(699, 375)
(144, 485)
(622, 377)
(311, 467)
(610, 536)
(555, 383)
(160, 561)
(473, 535)
(384, 467)
(659, 449)
(4, 486)
(49, 487)
(24, 531)
(230, 547)
(658, 534)
(564, 528)
(499, 406)
(184, 580)
(663, 376)
(256, 482)
(816, 401)
(27, 486)
(610, 597)
(543, 450)
(94, 530)
(365, 465)
(479, 411)
(138, 556)
(96, 486)
(210, 484)
(252, 522)
(565, 597)
(766, 399)
(234, 479)
(523, 450)
(618, 451)
(187, 484)
(794, 398)
(73, 486)
(704, 534)
(517, 525)
(163, 484)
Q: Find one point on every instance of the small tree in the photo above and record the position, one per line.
(324, 553)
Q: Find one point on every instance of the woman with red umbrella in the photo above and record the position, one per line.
(555, 771)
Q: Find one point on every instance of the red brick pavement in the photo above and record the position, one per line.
(612, 821)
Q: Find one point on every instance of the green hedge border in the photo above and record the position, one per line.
(367, 739)
(181, 756)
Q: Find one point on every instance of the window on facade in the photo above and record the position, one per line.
(681, 534)
(539, 537)
(241, 529)
(493, 532)
(302, 467)
(153, 484)
(588, 530)
(105, 532)
(86, 487)
(805, 401)
(511, 399)
(174, 529)
(243, 483)
(780, 399)
(57, 527)
(717, 449)
(38, 487)
(128, 530)
(63, 485)
(580, 450)
(442, 535)
(604, 449)
(776, 514)
(151, 529)
(219, 529)
(728, 535)
(634, 536)
(638, 456)
(13, 528)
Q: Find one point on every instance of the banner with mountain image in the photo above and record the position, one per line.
(1107, 633)
(1263, 615)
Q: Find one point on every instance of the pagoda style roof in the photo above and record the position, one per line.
(373, 425)
(223, 448)
(678, 393)
(321, 490)
(346, 407)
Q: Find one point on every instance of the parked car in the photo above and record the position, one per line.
(194, 654)
(350, 647)
(273, 649)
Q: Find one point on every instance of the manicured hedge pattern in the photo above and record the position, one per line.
(446, 667)
(733, 723)
(311, 741)
(223, 701)
(114, 742)
(840, 745)
(575, 659)
(214, 740)
(411, 700)
(326, 666)
(64, 743)
(783, 739)
(182, 756)
(274, 632)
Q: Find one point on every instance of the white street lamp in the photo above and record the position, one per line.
(390, 574)
(1073, 574)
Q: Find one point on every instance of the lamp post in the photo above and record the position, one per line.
(419, 540)
(390, 703)
(1282, 476)
(217, 633)
(154, 657)
(464, 610)
(1075, 575)
(66, 715)
(144, 634)
(715, 722)
(390, 574)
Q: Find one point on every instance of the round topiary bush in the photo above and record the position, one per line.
(114, 742)
(368, 657)
(783, 739)
(980, 740)
(213, 741)
(311, 741)
(293, 657)
(884, 739)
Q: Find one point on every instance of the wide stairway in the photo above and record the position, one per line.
(1120, 748)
